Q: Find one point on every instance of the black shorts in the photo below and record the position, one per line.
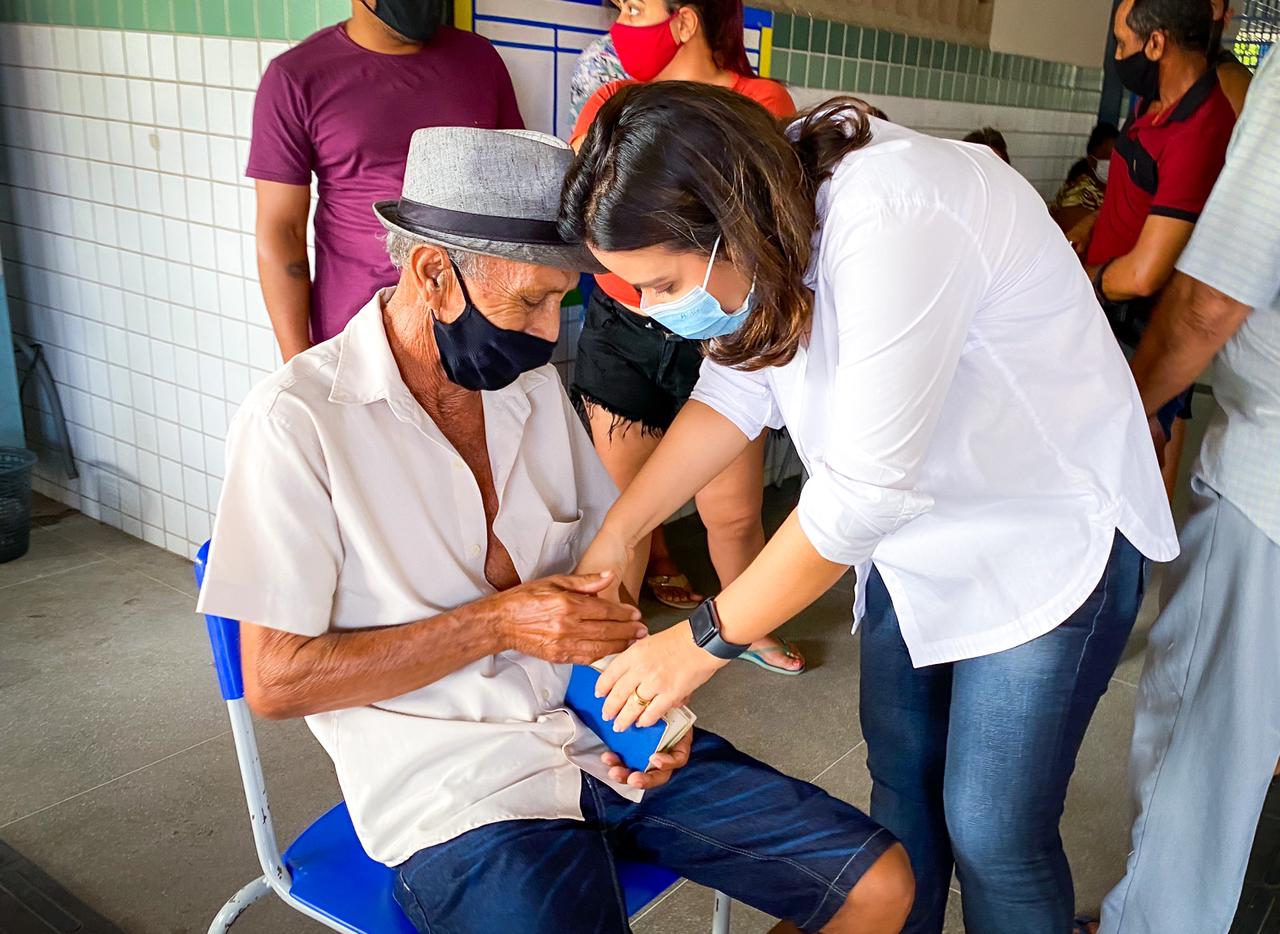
(633, 368)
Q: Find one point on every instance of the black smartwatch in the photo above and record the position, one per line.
(705, 623)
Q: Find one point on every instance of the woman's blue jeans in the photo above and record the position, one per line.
(970, 760)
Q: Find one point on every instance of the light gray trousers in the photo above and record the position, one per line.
(1207, 733)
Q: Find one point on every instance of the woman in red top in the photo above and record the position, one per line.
(632, 375)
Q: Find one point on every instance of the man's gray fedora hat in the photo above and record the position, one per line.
(495, 192)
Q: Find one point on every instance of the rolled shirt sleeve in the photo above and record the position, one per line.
(276, 550)
(1236, 244)
(906, 281)
(745, 398)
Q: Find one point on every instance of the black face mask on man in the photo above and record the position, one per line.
(416, 20)
(478, 355)
(1140, 74)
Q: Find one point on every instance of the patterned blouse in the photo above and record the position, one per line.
(1084, 191)
(597, 66)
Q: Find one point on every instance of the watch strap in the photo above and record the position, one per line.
(705, 623)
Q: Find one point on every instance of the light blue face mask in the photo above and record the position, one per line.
(696, 314)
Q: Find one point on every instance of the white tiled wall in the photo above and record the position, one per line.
(126, 228)
(1042, 143)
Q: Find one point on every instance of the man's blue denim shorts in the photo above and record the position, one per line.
(725, 820)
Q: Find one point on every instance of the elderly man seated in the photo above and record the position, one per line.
(400, 509)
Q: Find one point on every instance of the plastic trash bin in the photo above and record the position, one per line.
(15, 502)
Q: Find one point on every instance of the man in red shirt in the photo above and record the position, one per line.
(342, 105)
(1163, 167)
(1166, 160)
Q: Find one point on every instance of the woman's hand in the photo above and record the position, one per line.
(661, 670)
(608, 553)
(661, 766)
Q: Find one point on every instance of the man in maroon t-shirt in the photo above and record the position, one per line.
(1166, 160)
(343, 104)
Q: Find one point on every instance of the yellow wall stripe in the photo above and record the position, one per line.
(463, 15)
(766, 50)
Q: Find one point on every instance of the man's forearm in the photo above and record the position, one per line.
(294, 676)
(1125, 279)
(285, 275)
(1189, 326)
(1147, 268)
(283, 270)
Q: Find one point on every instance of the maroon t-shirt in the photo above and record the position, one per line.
(1165, 165)
(330, 107)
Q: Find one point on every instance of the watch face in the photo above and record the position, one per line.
(704, 628)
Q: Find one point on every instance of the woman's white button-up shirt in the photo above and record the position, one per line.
(966, 417)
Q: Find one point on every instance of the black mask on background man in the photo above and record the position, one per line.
(416, 20)
(478, 355)
(1140, 74)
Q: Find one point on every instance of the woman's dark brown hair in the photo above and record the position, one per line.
(676, 164)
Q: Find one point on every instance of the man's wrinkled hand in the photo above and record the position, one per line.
(661, 766)
(566, 619)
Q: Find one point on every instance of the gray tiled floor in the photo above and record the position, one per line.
(120, 779)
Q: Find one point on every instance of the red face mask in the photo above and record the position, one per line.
(645, 50)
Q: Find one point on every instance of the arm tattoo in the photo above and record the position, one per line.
(298, 269)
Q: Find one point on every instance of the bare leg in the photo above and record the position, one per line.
(878, 904)
(1173, 456)
(661, 564)
(730, 509)
(624, 450)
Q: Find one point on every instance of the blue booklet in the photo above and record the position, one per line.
(636, 745)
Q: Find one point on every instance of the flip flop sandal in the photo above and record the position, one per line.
(756, 657)
(1082, 923)
(659, 582)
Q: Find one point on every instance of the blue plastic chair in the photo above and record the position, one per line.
(325, 873)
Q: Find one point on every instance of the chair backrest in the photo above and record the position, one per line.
(224, 638)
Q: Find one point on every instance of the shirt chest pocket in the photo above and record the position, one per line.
(1141, 164)
(562, 546)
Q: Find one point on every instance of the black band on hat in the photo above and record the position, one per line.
(429, 220)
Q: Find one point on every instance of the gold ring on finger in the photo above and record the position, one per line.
(643, 702)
